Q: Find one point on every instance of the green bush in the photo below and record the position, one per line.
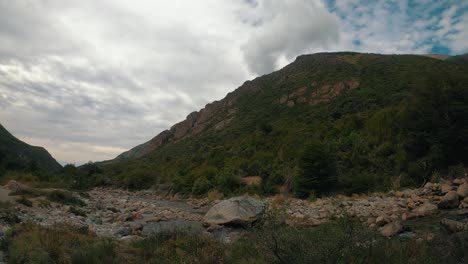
(28, 243)
(342, 241)
(179, 247)
(318, 171)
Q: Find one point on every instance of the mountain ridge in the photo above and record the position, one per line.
(20, 155)
(347, 104)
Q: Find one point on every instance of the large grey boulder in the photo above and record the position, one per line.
(449, 200)
(237, 211)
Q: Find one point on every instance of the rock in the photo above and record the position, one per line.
(462, 190)
(237, 210)
(449, 200)
(404, 217)
(124, 231)
(426, 209)
(171, 226)
(457, 181)
(445, 188)
(15, 186)
(213, 228)
(408, 192)
(391, 229)
(131, 238)
(453, 226)
(381, 220)
(429, 185)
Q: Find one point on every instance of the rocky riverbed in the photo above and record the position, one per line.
(131, 215)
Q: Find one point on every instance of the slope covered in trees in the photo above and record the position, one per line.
(380, 120)
(16, 155)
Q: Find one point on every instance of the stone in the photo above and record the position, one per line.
(426, 209)
(15, 186)
(171, 226)
(462, 190)
(457, 181)
(453, 226)
(237, 210)
(213, 228)
(391, 229)
(445, 188)
(381, 220)
(429, 185)
(449, 200)
(404, 217)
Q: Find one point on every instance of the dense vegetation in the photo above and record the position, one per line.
(404, 122)
(407, 120)
(343, 241)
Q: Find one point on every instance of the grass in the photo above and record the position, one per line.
(24, 201)
(270, 241)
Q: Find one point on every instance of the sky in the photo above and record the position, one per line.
(89, 79)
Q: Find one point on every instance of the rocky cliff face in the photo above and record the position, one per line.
(194, 123)
(307, 83)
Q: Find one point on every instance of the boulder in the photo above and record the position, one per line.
(381, 220)
(153, 228)
(445, 188)
(449, 200)
(15, 186)
(391, 229)
(462, 190)
(453, 226)
(457, 181)
(426, 209)
(237, 210)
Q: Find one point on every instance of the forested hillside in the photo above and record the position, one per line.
(327, 122)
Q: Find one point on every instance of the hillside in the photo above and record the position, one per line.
(17, 155)
(461, 59)
(376, 118)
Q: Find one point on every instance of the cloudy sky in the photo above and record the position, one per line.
(89, 79)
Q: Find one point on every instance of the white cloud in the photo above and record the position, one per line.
(287, 29)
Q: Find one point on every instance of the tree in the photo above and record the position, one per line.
(318, 171)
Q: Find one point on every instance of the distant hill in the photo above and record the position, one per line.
(381, 118)
(17, 155)
(461, 59)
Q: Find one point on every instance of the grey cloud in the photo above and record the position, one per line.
(289, 29)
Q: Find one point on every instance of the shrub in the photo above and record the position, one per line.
(179, 247)
(24, 201)
(29, 243)
(215, 195)
(318, 171)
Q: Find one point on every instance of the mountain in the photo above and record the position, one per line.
(17, 155)
(380, 118)
(461, 59)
